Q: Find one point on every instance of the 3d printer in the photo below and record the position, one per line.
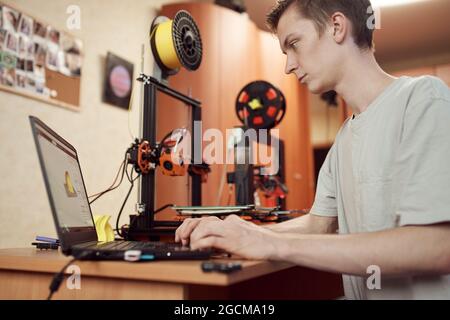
(175, 43)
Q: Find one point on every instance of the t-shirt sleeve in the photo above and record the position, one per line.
(325, 201)
(422, 167)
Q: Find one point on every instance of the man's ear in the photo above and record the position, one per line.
(340, 27)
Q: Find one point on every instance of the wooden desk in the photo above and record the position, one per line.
(27, 273)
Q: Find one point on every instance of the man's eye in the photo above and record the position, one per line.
(294, 44)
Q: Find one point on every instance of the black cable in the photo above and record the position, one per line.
(163, 207)
(59, 277)
(130, 178)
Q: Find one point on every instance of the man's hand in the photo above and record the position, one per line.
(233, 235)
(183, 233)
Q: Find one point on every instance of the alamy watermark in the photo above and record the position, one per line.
(257, 147)
(373, 282)
(374, 20)
(73, 21)
(73, 282)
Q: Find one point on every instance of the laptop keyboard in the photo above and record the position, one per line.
(135, 245)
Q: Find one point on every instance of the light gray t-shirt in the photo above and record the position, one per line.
(390, 167)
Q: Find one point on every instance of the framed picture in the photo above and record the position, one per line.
(118, 81)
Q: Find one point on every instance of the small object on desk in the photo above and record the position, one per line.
(46, 239)
(45, 245)
(224, 267)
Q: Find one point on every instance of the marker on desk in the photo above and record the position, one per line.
(46, 243)
(46, 239)
(224, 267)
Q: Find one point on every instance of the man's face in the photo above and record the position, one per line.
(311, 58)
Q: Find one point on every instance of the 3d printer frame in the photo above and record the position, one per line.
(144, 226)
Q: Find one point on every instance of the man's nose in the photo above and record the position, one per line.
(291, 65)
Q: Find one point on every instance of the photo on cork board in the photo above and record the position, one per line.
(3, 34)
(29, 66)
(40, 86)
(25, 25)
(39, 30)
(12, 42)
(72, 59)
(10, 19)
(40, 51)
(20, 65)
(21, 80)
(118, 81)
(31, 84)
(9, 77)
(8, 60)
(23, 44)
(53, 35)
(51, 59)
(2, 71)
(30, 50)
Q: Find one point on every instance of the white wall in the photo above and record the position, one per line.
(99, 131)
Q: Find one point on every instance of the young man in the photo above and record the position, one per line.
(385, 184)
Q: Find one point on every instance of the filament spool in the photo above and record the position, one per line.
(176, 43)
(260, 105)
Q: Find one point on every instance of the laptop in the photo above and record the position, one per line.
(72, 213)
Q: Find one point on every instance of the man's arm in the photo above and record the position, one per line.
(307, 224)
(410, 250)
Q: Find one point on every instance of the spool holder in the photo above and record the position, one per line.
(243, 175)
(146, 227)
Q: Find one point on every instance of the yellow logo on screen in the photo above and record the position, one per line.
(68, 185)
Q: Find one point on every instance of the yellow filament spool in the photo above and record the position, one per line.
(165, 46)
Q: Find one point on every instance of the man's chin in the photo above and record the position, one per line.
(316, 89)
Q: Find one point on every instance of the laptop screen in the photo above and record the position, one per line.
(65, 182)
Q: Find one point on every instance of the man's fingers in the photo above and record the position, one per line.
(177, 232)
(207, 228)
(208, 242)
(183, 232)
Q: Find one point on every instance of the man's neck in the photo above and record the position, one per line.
(362, 82)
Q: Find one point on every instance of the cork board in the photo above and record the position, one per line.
(38, 61)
